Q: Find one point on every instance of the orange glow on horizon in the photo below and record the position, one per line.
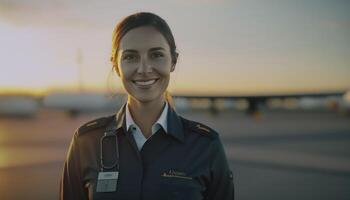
(205, 90)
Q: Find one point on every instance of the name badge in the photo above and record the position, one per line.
(107, 181)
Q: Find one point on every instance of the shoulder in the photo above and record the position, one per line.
(199, 128)
(94, 124)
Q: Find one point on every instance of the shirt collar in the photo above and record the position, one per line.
(174, 122)
(162, 120)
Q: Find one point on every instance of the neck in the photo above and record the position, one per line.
(145, 114)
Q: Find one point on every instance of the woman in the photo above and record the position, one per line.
(146, 151)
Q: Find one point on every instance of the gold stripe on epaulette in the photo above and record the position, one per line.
(176, 176)
(203, 128)
(92, 123)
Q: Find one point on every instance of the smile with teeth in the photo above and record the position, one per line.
(145, 83)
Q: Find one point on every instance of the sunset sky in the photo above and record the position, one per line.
(226, 47)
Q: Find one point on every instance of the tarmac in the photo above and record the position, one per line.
(280, 155)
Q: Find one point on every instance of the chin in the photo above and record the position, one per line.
(146, 98)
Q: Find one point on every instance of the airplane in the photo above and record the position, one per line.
(75, 103)
(19, 105)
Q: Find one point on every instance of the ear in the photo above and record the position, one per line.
(172, 67)
(174, 63)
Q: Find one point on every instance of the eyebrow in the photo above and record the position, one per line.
(135, 51)
(129, 50)
(156, 48)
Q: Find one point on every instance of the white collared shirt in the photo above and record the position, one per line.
(140, 139)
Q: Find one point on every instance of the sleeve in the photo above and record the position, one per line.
(71, 184)
(221, 184)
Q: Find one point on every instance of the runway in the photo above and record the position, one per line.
(282, 155)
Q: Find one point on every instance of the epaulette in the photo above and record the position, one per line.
(93, 124)
(199, 128)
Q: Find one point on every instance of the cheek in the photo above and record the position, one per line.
(126, 72)
(163, 67)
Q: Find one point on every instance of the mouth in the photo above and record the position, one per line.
(145, 83)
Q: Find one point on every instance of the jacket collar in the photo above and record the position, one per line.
(175, 126)
(174, 123)
(120, 119)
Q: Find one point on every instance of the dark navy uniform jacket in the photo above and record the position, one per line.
(186, 163)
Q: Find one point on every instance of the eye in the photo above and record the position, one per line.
(157, 54)
(129, 57)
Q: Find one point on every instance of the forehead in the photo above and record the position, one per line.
(143, 38)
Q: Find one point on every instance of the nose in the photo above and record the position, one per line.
(144, 66)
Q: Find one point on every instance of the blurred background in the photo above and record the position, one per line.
(272, 77)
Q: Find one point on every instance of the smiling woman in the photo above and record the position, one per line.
(145, 151)
(144, 65)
